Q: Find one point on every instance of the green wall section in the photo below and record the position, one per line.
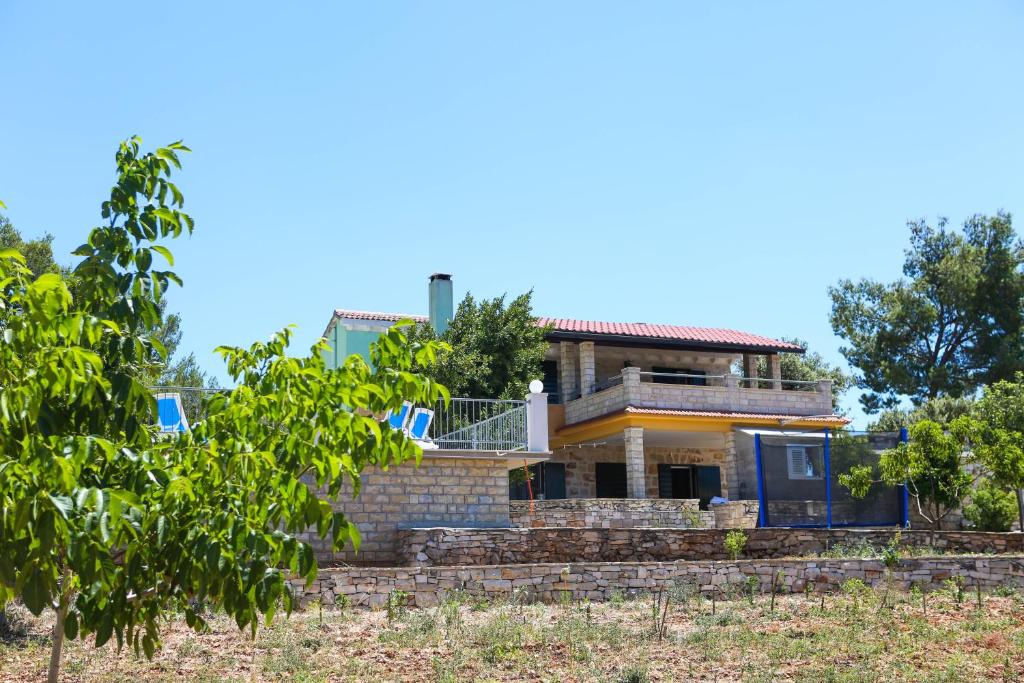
(344, 342)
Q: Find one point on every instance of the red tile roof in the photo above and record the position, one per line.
(824, 419)
(699, 335)
(373, 315)
(671, 333)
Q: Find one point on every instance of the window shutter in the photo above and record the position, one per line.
(797, 463)
(554, 480)
(664, 481)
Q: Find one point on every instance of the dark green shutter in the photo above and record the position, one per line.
(709, 483)
(554, 480)
(664, 481)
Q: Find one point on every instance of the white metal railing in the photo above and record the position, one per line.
(462, 424)
(479, 424)
(693, 379)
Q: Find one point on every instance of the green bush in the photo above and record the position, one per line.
(735, 541)
(991, 508)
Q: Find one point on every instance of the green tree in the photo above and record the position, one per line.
(495, 349)
(943, 410)
(931, 465)
(38, 252)
(998, 438)
(991, 508)
(951, 325)
(807, 367)
(109, 524)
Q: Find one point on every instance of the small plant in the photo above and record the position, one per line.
(891, 553)
(735, 542)
(857, 591)
(752, 585)
(617, 598)
(500, 638)
(633, 674)
(342, 602)
(955, 587)
(396, 605)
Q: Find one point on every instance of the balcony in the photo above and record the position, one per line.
(462, 424)
(723, 393)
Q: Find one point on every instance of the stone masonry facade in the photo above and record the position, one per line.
(442, 491)
(452, 547)
(598, 581)
(581, 465)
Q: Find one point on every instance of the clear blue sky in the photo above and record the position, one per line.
(666, 162)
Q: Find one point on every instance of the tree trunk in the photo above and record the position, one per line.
(58, 643)
(58, 626)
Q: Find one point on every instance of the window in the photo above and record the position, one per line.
(802, 463)
(697, 380)
(547, 481)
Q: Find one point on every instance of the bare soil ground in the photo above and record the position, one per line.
(854, 638)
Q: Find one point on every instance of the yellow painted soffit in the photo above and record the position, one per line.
(613, 424)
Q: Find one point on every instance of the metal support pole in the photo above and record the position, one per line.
(762, 508)
(904, 491)
(828, 484)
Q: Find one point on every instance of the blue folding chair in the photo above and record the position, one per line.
(398, 420)
(170, 414)
(421, 419)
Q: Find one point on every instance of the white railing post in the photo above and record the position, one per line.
(537, 422)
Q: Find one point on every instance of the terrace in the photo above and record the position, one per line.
(635, 388)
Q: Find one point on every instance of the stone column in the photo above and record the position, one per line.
(588, 380)
(825, 395)
(775, 371)
(631, 384)
(730, 469)
(750, 368)
(636, 470)
(567, 371)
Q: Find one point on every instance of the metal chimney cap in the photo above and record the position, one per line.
(440, 276)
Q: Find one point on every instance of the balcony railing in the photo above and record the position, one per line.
(462, 424)
(480, 425)
(680, 391)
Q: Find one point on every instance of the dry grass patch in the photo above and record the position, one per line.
(854, 638)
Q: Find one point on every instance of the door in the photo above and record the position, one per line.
(611, 479)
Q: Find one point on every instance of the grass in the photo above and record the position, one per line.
(854, 638)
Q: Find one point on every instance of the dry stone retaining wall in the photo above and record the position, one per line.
(607, 513)
(452, 547)
(599, 581)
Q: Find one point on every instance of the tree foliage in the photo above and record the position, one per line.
(992, 508)
(998, 437)
(38, 252)
(952, 324)
(109, 524)
(496, 349)
(931, 465)
(943, 410)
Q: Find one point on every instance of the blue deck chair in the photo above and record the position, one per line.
(421, 420)
(170, 413)
(398, 420)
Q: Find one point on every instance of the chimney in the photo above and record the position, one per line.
(441, 305)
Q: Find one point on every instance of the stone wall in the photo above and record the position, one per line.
(581, 465)
(599, 581)
(609, 513)
(442, 491)
(451, 547)
(736, 514)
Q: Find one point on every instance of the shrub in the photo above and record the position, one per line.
(735, 541)
(991, 508)
(396, 605)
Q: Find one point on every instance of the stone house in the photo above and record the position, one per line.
(633, 411)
